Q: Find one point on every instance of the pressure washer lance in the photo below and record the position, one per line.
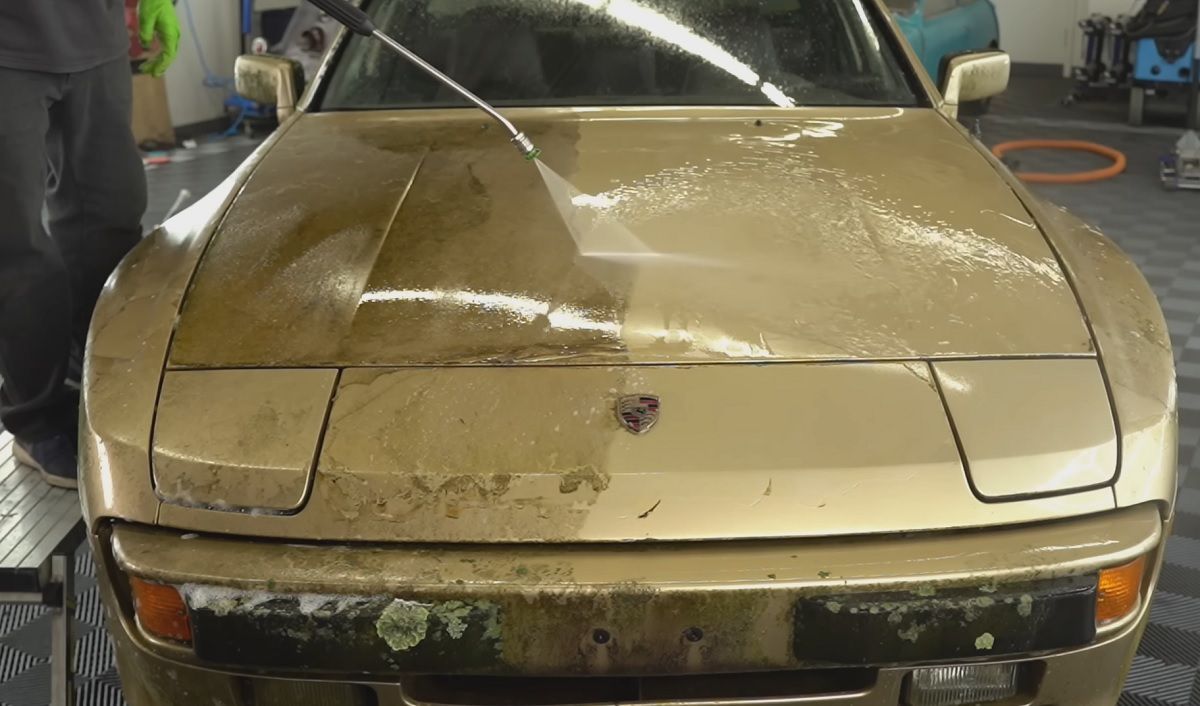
(358, 22)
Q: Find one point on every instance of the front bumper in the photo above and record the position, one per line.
(1091, 676)
(844, 620)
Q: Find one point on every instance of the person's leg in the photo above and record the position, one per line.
(97, 190)
(35, 296)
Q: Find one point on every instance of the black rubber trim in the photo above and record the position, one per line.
(941, 625)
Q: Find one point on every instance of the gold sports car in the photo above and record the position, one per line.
(876, 427)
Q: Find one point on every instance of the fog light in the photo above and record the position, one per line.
(962, 685)
(160, 610)
(1119, 591)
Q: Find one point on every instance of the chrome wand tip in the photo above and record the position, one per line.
(526, 147)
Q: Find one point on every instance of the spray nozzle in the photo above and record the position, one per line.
(526, 147)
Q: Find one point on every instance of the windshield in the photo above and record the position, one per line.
(624, 52)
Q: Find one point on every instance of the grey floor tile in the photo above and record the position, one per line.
(29, 688)
(1180, 580)
(1189, 500)
(1131, 699)
(1175, 611)
(1187, 525)
(1184, 551)
(1170, 683)
(34, 637)
(1171, 645)
(14, 662)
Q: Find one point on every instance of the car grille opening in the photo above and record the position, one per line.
(457, 690)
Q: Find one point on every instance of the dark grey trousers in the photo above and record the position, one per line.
(65, 143)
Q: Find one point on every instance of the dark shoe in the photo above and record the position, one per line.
(55, 458)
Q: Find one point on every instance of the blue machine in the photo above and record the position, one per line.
(940, 28)
(1164, 34)
(1150, 66)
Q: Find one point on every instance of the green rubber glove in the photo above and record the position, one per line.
(157, 19)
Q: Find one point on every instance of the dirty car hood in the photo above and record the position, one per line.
(421, 238)
(375, 323)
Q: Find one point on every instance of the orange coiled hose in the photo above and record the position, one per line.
(1117, 167)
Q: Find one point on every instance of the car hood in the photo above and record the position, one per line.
(422, 238)
(392, 337)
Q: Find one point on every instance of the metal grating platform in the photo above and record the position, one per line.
(34, 519)
(40, 527)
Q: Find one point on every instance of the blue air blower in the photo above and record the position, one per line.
(1165, 36)
(1152, 65)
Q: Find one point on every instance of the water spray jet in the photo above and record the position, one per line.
(596, 237)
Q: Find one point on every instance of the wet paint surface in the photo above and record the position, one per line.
(1031, 426)
(355, 499)
(127, 348)
(835, 235)
(1136, 347)
(261, 430)
(537, 454)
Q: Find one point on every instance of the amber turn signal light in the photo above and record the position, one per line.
(160, 610)
(1119, 590)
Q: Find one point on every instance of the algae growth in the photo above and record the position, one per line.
(453, 617)
(403, 624)
(1025, 607)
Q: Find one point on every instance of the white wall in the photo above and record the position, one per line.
(218, 29)
(1038, 31)
(1112, 7)
(1047, 31)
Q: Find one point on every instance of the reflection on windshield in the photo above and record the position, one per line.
(626, 52)
(671, 32)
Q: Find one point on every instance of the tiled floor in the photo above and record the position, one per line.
(1160, 230)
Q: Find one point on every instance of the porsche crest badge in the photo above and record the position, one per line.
(638, 413)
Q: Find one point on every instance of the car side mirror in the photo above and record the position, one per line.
(270, 80)
(973, 76)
